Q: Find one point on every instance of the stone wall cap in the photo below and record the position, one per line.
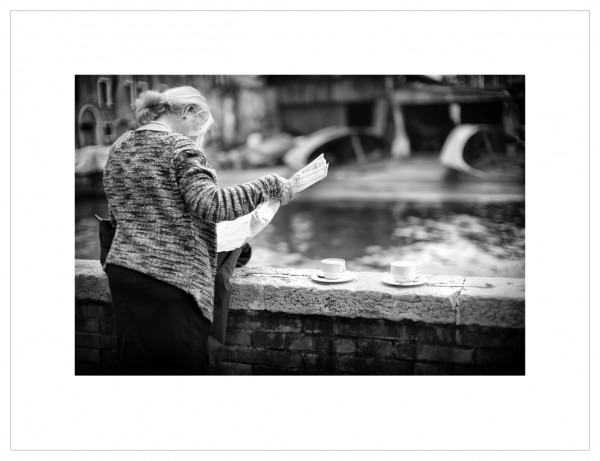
(444, 299)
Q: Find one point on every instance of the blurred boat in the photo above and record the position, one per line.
(259, 150)
(267, 150)
(91, 159)
(485, 152)
(89, 165)
(339, 144)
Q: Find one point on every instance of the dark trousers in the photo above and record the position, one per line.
(160, 329)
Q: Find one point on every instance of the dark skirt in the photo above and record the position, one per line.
(160, 329)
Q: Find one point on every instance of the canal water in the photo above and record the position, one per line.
(445, 238)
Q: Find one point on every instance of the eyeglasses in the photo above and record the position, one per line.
(192, 114)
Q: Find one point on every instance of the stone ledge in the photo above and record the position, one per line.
(456, 300)
(91, 282)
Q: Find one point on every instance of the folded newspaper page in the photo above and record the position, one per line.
(233, 234)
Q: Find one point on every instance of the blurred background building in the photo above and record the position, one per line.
(424, 167)
(422, 109)
(105, 105)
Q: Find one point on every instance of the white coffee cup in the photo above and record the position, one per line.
(404, 271)
(333, 268)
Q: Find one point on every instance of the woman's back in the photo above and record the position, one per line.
(165, 200)
(156, 232)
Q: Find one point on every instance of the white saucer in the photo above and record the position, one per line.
(388, 279)
(346, 277)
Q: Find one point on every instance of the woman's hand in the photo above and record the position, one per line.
(287, 193)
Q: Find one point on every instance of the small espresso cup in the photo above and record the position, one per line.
(333, 268)
(404, 271)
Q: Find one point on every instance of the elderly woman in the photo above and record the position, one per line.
(165, 202)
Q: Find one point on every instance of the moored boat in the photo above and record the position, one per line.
(485, 152)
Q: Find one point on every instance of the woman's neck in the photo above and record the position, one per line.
(165, 121)
(157, 125)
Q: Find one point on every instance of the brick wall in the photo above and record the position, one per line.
(274, 343)
(434, 330)
(95, 340)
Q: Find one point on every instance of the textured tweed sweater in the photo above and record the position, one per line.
(165, 202)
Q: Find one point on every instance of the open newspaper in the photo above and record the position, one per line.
(233, 234)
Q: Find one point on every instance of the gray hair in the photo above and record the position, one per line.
(182, 101)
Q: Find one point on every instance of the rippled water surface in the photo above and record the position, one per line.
(461, 239)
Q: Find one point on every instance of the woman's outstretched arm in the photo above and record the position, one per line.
(197, 184)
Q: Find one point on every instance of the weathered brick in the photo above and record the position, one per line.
(433, 369)
(303, 343)
(109, 357)
(93, 310)
(373, 366)
(269, 357)
(444, 354)
(344, 345)
(515, 358)
(87, 355)
(268, 340)
(237, 337)
(244, 320)
(324, 345)
(388, 329)
(227, 368)
(498, 338)
(310, 343)
(85, 325)
(282, 323)
(373, 328)
(319, 362)
(352, 364)
(404, 351)
(318, 325)
(374, 347)
(376, 329)
(310, 360)
(393, 367)
(360, 327)
(398, 331)
(107, 327)
(229, 354)
(95, 341)
(348, 327)
(434, 334)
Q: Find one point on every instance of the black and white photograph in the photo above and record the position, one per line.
(254, 230)
(300, 224)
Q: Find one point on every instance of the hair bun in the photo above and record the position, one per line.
(149, 106)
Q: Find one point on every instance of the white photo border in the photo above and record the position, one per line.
(51, 409)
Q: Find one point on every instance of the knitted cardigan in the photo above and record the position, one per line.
(164, 200)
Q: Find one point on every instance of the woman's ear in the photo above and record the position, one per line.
(187, 110)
